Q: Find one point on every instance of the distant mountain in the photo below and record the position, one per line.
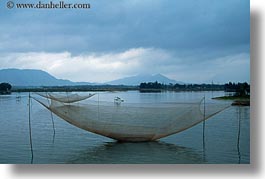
(136, 80)
(32, 77)
(28, 77)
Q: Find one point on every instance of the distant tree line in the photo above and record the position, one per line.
(180, 87)
(75, 88)
(152, 85)
(239, 88)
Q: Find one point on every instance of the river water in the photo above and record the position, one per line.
(226, 137)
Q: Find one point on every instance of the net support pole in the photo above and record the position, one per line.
(238, 135)
(203, 129)
(30, 132)
(203, 116)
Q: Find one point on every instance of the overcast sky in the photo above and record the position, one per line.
(192, 41)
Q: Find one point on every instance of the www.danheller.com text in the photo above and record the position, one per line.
(48, 5)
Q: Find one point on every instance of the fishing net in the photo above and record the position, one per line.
(66, 98)
(131, 121)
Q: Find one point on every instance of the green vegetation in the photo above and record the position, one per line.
(151, 87)
(233, 97)
(240, 89)
(75, 88)
(5, 88)
(241, 95)
(158, 87)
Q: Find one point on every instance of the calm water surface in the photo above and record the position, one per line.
(227, 137)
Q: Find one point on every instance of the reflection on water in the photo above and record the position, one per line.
(144, 152)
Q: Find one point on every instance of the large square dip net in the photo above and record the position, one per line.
(125, 121)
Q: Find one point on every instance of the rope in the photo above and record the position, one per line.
(30, 130)
(98, 106)
(53, 126)
(67, 103)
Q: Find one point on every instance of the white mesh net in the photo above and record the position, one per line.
(131, 121)
(67, 98)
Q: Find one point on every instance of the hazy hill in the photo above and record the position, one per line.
(29, 77)
(32, 77)
(136, 80)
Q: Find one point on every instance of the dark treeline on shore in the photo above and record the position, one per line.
(5, 88)
(240, 89)
(181, 87)
(81, 88)
(228, 87)
(143, 87)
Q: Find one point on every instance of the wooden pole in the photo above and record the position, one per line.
(30, 131)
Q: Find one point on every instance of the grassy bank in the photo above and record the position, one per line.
(237, 100)
(233, 98)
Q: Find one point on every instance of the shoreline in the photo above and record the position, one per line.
(237, 100)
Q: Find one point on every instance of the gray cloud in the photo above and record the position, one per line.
(120, 25)
(97, 67)
(184, 35)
